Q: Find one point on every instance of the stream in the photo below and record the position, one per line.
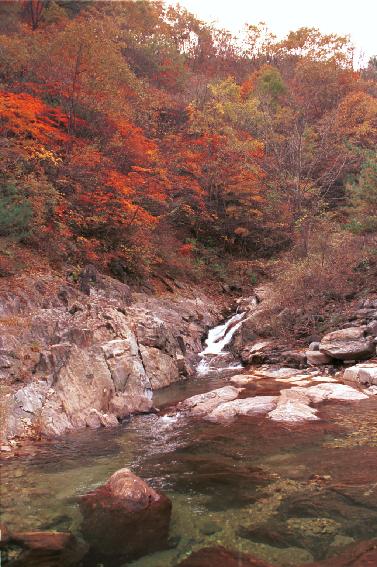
(289, 495)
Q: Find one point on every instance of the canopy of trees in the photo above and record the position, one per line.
(133, 132)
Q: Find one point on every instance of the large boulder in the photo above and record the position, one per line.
(126, 368)
(293, 405)
(293, 412)
(372, 328)
(124, 519)
(30, 398)
(53, 419)
(364, 374)
(122, 406)
(257, 352)
(78, 354)
(151, 331)
(242, 380)
(84, 383)
(203, 404)
(353, 343)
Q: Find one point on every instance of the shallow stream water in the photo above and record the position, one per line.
(287, 494)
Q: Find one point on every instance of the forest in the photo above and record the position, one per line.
(140, 139)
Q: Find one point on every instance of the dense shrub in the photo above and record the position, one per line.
(306, 291)
(15, 213)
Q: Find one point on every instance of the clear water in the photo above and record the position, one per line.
(288, 495)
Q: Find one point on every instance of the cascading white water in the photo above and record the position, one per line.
(217, 339)
(220, 336)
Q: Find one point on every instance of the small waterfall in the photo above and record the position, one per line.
(217, 339)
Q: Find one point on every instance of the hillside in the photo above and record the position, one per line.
(188, 290)
(156, 143)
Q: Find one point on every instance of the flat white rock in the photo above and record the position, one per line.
(364, 373)
(203, 404)
(246, 406)
(293, 411)
(321, 392)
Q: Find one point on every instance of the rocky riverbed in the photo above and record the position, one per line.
(287, 494)
(258, 454)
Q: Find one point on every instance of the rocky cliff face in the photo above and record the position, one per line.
(88, 354)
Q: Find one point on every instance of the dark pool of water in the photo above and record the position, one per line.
(286, 494)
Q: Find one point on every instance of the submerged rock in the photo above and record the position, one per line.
(360, 554)
(124, 519)
(52, 549)
(219, 556)
(284, 372)
(348, 344)
(312, 534)
(317, 358)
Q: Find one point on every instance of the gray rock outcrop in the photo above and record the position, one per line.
(71, 359)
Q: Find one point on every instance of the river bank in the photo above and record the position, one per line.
(288, 491)
(85, 351)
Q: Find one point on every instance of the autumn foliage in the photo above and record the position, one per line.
(133, 133)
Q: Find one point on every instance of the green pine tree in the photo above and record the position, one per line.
(362, 195)
(15, 213)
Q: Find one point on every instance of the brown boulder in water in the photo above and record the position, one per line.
(124, 519)
(360, 554)
(219, 556)
(42, 549)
